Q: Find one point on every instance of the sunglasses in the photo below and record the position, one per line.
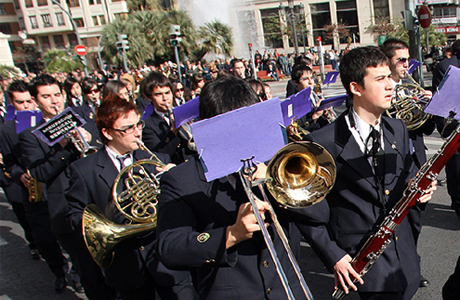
(403, 59)
(181, 90)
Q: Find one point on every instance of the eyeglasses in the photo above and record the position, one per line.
(181, 90)
(94, 91)
(403, 59)
(140, 125)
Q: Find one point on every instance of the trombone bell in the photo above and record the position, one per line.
(302, 174)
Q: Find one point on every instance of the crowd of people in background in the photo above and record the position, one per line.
(96, 97)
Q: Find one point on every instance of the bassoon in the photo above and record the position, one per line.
(378, 242)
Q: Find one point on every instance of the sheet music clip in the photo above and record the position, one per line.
(249, 167)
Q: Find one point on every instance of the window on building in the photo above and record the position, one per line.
(347, 16)
(16, 4)
(59, 41)
(79, 22)
(320, 16)
(2, 9)
(72, 39)
(33, 22)
(273, 36)
(45, 43)
(29, 3)
(42, 2)
(99, 20)
(47, 20)
(445, 12)
(117, 0)
(74, 3)
(122, 16)
(5, 28)
(22, 25)
(93, 2)
(60, 19)
(381, 9)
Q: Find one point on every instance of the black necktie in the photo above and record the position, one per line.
(377, 154)
(121, 159)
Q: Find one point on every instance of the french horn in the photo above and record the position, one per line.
(137, 203)
(408, 103)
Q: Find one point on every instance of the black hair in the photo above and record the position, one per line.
(42, 80)
(298, 71)
(258, 87)
(224, 94)
(153, 80)
(235, 60)
(354, 64)
(17, 86)
(112, 87)
(87, 85)
(302, 60)
(390, 46)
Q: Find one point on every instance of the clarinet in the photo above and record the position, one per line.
(378, 242)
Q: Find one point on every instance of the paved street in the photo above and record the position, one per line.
(21, 278)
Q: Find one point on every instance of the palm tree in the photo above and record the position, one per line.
(142, 5)
(148, 36)
(9, 71)
(216, 38)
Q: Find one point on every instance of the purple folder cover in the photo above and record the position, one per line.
(26, 119)
(413, 65)
(296, 106)
(332, 102)
(447, 97)
(147, 111)
(10, 113)
(224, 140)
(186, 112)
(331, 77)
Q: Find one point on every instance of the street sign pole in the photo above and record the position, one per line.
(83, 58)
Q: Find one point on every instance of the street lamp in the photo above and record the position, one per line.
(294, 19)
(302, 16)
(76, 31)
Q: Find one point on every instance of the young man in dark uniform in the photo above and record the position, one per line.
(135, 272)
(374, 165)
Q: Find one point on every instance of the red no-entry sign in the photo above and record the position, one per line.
(80, 50)
(424, 16)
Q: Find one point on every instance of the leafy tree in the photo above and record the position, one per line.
(9, 71)
(58, 61)
(434, 38)
(336, 32)
(216, 37)
(142, 5)
(148, 36)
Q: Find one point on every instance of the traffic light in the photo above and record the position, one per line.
(123, 43)
(175, 36)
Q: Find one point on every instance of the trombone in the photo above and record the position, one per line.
(299, 175)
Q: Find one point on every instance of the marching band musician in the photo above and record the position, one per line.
(15, 190)
(49, 165)
(303, 78)
(374, 166)
(92, 99)
(160, 134)
(209, 227)
(397, 52)
(33, 216)
(135, 272)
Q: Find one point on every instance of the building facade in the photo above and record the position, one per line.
(35, 26)
(337, 23)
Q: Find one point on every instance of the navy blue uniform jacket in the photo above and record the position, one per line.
(353, 209)
(193, 216)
